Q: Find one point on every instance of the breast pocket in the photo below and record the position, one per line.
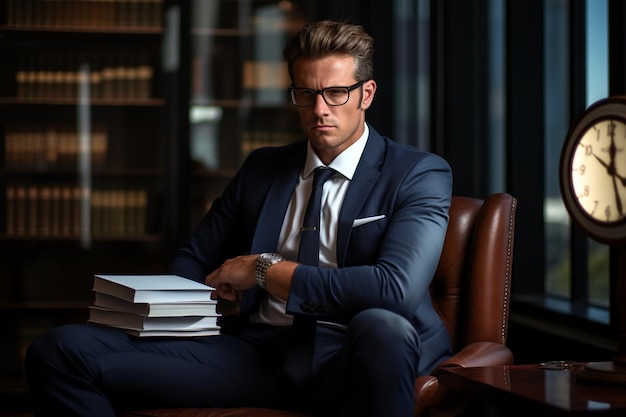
(365, 241)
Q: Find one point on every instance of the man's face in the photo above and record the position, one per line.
(331, 129)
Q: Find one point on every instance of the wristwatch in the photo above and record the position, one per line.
(264, 261)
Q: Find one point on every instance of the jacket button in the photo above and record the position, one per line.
(309, 306)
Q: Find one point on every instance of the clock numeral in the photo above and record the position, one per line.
(597, 133)
(607, 212)
(588, 150)
(611, 129)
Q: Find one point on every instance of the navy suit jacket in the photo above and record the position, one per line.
(385, 263)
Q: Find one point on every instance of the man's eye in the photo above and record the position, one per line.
(335, 92)
(307, 94)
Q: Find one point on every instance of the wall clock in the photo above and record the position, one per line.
(592, 177)
(593, 171)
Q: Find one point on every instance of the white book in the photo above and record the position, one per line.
(171, 333)
(131, 321)
(152, 288)
(192, 308)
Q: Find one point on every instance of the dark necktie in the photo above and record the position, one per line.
(299, 358)
(309, 250)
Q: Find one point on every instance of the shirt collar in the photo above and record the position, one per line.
(345, 163)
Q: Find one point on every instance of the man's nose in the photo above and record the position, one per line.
(320, 105)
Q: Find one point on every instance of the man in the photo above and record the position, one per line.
(345, 333)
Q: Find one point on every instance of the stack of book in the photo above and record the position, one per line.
(154, 305)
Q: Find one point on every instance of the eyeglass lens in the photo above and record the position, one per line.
(333, 96)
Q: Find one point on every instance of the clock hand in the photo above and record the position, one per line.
(604, 164)
(618, 202)
(611, 171)
(612, 152)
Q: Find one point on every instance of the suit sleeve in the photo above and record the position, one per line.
(223, 232)
(228, 229)
(401, 254)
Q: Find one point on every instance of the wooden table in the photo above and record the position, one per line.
(530, 390)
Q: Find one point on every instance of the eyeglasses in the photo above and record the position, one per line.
(333, 96)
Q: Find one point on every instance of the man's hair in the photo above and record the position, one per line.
(321, 39)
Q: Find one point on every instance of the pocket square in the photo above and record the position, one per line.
(365, 220)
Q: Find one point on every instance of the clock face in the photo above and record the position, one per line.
(593, 171)
(598, 170)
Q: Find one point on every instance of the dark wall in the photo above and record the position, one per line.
(530, 345)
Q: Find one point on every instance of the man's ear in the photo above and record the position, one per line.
(369, 90)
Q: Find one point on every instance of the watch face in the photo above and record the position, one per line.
(598, 171)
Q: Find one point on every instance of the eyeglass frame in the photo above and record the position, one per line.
(321, 93)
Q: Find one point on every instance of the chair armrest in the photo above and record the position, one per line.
(479, 354)
(428, 392)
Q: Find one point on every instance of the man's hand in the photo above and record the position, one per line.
(234, 276)
(229, 308)
(238, 274)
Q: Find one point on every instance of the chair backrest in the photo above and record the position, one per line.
(471, 287)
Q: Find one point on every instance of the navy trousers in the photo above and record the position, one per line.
(85, 370)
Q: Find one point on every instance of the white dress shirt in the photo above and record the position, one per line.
(272, 309)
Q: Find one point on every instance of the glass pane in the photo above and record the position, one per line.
(496, 97)
(239, 81)
(597, 88)
(557, 119)
(597, 50)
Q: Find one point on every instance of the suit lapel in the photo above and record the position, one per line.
(275, 206)
(365, 176)
(271, 219)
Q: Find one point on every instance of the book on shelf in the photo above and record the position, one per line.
(120, 319)
(81, 13)
(265, 74)
(52, 147)
(116, 74)
(152, 288)
(56, 210)
(194, 308)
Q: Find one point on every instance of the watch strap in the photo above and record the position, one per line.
(263, 262)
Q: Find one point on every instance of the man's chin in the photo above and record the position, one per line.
(323, 141)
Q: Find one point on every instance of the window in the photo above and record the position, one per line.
(597, 74)
(587, 282)
(497, 105)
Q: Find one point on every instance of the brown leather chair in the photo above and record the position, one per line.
(470, 291)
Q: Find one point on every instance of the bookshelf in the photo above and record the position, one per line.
(82, 156)
(120, 122)
(238, 88)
